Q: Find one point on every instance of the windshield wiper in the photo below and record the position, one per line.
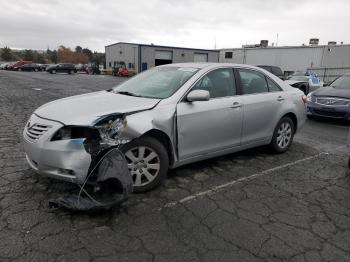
(126, 93)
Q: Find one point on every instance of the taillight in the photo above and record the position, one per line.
(304, 98)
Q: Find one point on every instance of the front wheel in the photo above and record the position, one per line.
(148, 162)
(283, 135)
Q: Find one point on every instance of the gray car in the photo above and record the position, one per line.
(163, 118)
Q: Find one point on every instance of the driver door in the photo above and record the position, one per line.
(208, 126)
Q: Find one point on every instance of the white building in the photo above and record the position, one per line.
(141, 57)
(328, 61)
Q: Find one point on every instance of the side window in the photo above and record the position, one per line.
(273, 87)
(252, 82)
(219, 83)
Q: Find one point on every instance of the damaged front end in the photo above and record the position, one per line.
(108, 182)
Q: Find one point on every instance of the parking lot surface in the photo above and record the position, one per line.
(248, 206)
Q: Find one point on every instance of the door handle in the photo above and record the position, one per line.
(236, 105)
(280, 98)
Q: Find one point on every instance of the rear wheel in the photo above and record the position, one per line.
(283, 135)
(148, 162)
(53, 71)
(71, 72)
(36, 69)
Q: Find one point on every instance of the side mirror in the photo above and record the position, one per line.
(325, 84)
(198, 95)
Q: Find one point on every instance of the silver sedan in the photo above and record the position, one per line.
(163, 118)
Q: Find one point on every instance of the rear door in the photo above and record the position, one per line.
(263, 101)
(208, 126)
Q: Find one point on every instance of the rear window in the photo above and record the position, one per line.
(267, 68)
(277, 71)
(342, 83)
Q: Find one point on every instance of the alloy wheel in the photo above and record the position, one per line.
(144, 165)
(284, 135)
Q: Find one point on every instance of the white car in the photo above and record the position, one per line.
(163, 118)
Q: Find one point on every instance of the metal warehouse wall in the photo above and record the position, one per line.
(122, 52)
(129, 53)
(179, 55)
(292, 58)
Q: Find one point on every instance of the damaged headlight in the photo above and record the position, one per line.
(111, 128)
(76, 132)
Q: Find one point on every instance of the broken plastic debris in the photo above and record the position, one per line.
(113, 184)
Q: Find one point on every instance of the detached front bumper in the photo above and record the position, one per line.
(334, 112)
(65, 159)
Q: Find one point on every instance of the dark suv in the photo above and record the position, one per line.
(273, 70)
(62, 68)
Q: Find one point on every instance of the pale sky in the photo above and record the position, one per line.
(38, 24)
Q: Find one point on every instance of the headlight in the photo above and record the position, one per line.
(111, 128)
(76, 132)
(309, 97)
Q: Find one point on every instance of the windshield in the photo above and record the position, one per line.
(299, 78)
(342, 83)
(159, 82)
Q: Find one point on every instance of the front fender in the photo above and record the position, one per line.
(162, 118)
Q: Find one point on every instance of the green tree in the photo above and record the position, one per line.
(39, 58)
(88, 52)
(98, 59)
(52, 55)
(78, 49)
(28, 55)
(6, 54)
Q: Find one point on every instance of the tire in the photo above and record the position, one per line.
(283, 135)
(150, 168)
(71, 72)
(19, 69)
(36, 69)
(53, 71)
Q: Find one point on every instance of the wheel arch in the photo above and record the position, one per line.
(294, 119)
(164, 139)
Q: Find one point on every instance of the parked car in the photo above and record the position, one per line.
(165, 117)
(2, 66)
(332, 101)
(43, 67)
(306, 81)
(7, 65)
(30, 67)
(17, 65)
(273, 70)
(62, 68)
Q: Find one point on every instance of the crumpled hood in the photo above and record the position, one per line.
(87, 108)
(331, 91)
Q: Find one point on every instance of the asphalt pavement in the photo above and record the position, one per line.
(248, 206)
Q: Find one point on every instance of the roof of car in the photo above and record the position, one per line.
(205, 65)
